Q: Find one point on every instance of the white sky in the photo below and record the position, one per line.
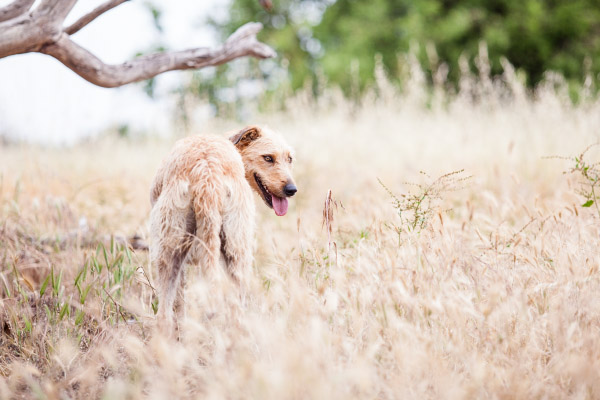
(43, 101)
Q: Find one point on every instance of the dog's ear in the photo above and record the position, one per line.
(244, 137)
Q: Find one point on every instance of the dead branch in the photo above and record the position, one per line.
(54, 12)
(41, 30)
(92, 15)
(242, 43)
(14, 9)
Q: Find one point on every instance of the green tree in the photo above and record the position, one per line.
(318, 36)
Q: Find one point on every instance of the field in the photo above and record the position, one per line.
(491, 292)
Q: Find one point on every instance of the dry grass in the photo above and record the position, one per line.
(496, 298)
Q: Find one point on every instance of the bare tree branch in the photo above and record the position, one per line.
(55, 10)
(20, 35)
(31, 31)
(41, 30)
(92, 15)
(241, 43)
(14, 9)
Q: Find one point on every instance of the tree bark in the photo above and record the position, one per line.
(242, 43)
(87, 18)
(14, 9)
(41, 30)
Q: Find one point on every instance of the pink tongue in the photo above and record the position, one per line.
(280, 205)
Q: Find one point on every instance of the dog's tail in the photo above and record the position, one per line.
(156, 188)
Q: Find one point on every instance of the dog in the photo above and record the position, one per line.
(203, 210)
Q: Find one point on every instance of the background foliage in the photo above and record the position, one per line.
(338, 40)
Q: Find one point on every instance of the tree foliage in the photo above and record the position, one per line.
(331, 38)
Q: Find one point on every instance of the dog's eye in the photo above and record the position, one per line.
(268, 159)
(290, 160)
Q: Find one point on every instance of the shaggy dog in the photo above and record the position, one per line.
(202, 206)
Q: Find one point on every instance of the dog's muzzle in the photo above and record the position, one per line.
(290, 189)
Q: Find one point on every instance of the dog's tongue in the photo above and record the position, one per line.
(280, 205)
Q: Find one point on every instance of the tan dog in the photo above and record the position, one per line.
(202, 206)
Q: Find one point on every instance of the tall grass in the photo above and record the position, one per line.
(496, 295)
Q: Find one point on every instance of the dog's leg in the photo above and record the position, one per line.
(179, 303)
(180, 294)
(170, 245)
(170, 271)
(237, 235)
(209, 243)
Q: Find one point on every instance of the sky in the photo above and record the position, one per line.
(42, 101)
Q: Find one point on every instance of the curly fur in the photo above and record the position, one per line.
(202, 207)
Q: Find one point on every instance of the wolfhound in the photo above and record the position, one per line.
(202, 206)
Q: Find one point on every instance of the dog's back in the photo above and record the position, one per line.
(203, 159)
(201, 207)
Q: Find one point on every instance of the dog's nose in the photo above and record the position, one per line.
(290, 189)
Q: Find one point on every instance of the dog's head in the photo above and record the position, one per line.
(268, 164)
